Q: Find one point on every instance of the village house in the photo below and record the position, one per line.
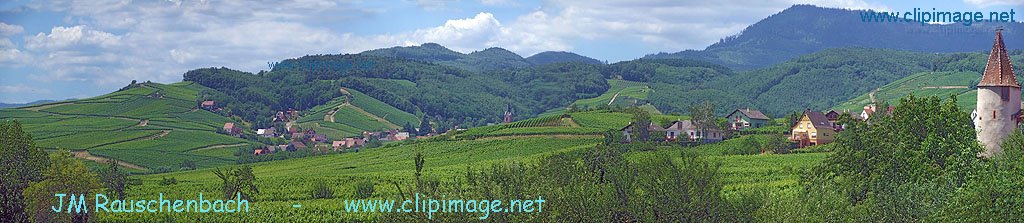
(688, 131)
(872, 109)
(208, 105)
(258, 152)
(833, 118)
(319, 138)
(627, 132)
(742, 118)
(298, 136)
(813, 128)
(295, 146)
(348, 143)
(231, 129)
(268, 132)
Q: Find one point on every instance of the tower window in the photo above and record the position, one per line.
(1005, 93)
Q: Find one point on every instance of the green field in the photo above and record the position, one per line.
(283, 183)
(627, 91)
(111, 126)
(281, 186)
(360, 113)
(941, 84)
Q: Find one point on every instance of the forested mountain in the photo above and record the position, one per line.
(548, 57)
(489, 59)
(815, 81)
(445, 93)
(797, 59)
(804, 29)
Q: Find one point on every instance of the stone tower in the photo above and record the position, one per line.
(999, 100)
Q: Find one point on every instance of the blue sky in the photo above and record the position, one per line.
(83, 48)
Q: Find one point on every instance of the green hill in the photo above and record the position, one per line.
(147, 125)
(354, 113)
(620, 92)
(941, 84)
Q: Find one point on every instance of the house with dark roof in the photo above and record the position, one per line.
(293, 146)
(813, 128)
(744, 118)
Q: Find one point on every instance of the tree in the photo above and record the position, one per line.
(115, 179)
(23, 163)
(64, 175)
(408, 128)
(425, 126)
(641, 123)
(238, 182)
(703, 116)
(926, 150)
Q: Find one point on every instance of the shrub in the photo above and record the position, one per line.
(168, 181)
(364, 189)
(322, 190)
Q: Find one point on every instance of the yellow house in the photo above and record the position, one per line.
(812, 129)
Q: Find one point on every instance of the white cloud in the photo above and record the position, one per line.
(9, 30)
(987, 3)
(111, 42)
(61, 37)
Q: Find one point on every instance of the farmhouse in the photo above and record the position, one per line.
(998, 110)
(208, 105)
(268, 132)
(627, 131)
(348, 143)
(871, 109)
(833, 118)
(741, 119)
(231, 129)
(293, 146)
(692, 133)
(261, 151)
(813, 128)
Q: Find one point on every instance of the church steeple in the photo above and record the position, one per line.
(999, 71)
(508, 114)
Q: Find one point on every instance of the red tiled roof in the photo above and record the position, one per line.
(998, 70)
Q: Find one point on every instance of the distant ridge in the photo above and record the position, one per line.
(803, 29)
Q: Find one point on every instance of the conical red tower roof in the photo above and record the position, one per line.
(998, 71)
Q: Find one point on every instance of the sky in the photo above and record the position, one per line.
(83, 48)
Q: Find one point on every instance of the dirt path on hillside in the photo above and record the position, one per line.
(871, 95)
(570, 122)
(375, 117)
(558, 136)
(945, 87)
(613, 97)
(218, 147)
(84, 154)
(37, 108)
(156, 136)
(329, 117)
